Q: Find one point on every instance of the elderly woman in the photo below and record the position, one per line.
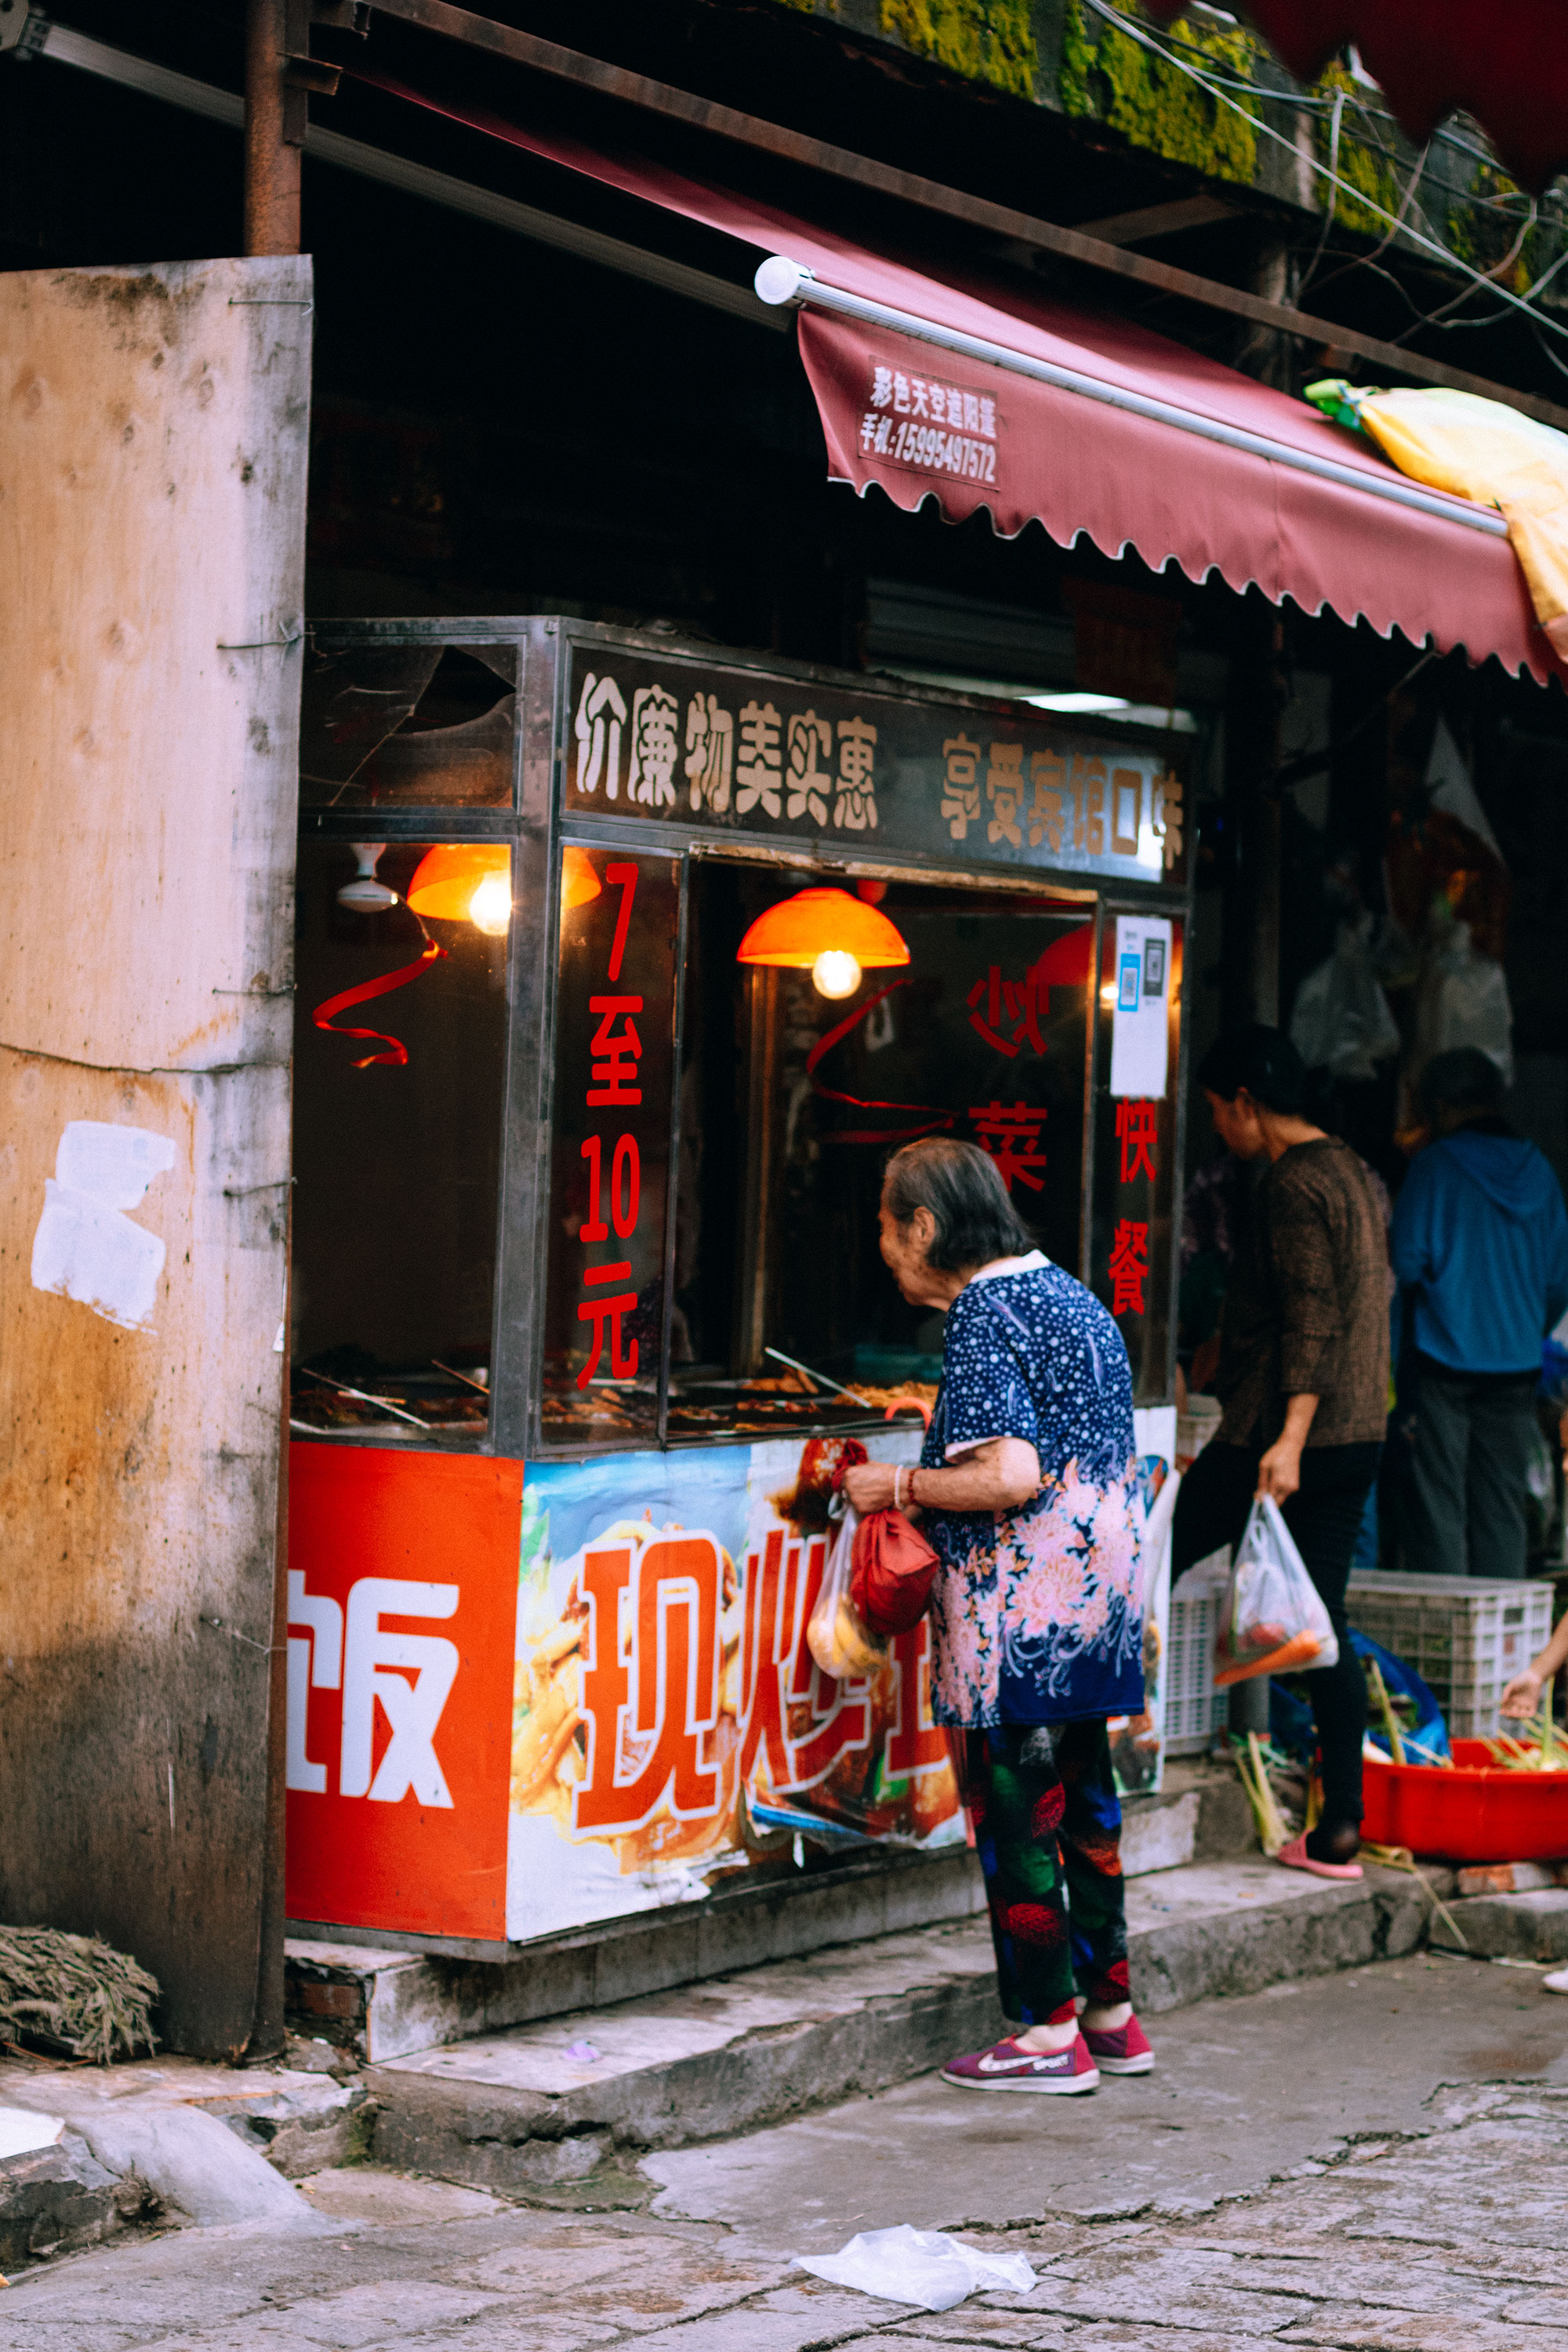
(1026, 1489)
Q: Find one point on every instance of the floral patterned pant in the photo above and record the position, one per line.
(1042, 1802)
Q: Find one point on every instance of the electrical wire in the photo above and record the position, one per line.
(1333, 198)
(1548, 353)
(1436, 318)
(1312, 101)
(1306, 100)
(1369, 261)
(1451, 260)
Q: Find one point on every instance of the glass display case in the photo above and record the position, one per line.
(622, 965)
(687, 1213)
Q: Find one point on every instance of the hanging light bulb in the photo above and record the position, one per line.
(468, 880)
(580, 883)
(490, 906)
(364, 895)
(836, 972)
(827, 933)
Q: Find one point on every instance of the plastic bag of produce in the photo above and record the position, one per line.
(1273, 1622)
(836, 1634)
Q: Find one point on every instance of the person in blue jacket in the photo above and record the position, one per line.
(1479, 1246)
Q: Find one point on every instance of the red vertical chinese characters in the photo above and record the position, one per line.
(615, 1084)
(610, 1150)
(1138, 1144)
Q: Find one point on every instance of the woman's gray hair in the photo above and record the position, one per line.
(961, 1186)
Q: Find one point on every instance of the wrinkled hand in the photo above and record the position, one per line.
(1279, 1472)
(869, 1487)
(1522, 1697)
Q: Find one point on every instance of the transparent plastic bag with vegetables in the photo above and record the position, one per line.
(1272, 1620)
(838, 1635)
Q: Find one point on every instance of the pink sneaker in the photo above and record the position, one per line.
(1295, 1857)
(1008, 2068)
(1125, 2051)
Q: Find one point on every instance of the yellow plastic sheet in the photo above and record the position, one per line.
(1477, 449)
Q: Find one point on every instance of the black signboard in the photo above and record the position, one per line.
(863, 770)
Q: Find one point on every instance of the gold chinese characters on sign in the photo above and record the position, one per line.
(737, 751)
(1078, 804)
(826, 759)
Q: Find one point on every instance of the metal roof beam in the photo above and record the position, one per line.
(323, 146)
(528, 49)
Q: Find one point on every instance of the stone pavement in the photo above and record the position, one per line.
(1377, 2160)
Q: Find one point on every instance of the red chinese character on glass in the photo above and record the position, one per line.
(609, 1311)
(1128, 1266)
(1021, 999)
(1010, 1132)
(1138, 1131)
(615, 1053)
(625, 1189)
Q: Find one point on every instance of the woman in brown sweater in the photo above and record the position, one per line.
(1303, 1379)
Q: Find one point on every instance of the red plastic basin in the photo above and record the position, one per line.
(1477, 1813)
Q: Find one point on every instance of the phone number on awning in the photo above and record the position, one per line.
(926, 450)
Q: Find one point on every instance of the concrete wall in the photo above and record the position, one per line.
(151, 550)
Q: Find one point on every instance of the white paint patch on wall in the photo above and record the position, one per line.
(86, 1247)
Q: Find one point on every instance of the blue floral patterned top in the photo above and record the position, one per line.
(1036, 1613)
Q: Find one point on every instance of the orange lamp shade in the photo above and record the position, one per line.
(579, 880)
(818, 922)
(446, 881)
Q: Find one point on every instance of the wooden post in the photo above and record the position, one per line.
(274, 128)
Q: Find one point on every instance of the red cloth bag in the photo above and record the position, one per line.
(892, 1571)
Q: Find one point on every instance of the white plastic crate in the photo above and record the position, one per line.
(1467, 1636)
(1195, 1710)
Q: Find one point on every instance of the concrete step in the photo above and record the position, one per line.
(1528, 1926)
(383, 1996)
(528, 2109)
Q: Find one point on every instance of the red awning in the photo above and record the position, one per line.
(1090, 425)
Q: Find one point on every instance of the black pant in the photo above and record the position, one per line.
(1323, 1515)
(1464, 1442)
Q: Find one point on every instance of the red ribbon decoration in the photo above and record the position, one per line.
(398, 1056)
(940, 1120)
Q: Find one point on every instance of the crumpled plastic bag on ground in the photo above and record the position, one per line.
(925, 2267)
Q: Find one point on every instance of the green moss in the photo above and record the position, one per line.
(985, 40)
(1073, 87)
(1482, 233)
(1154, 104)
(1364, 168)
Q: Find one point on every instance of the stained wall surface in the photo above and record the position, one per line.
(151, 554)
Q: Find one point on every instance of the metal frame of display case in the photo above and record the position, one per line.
(536, 825)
